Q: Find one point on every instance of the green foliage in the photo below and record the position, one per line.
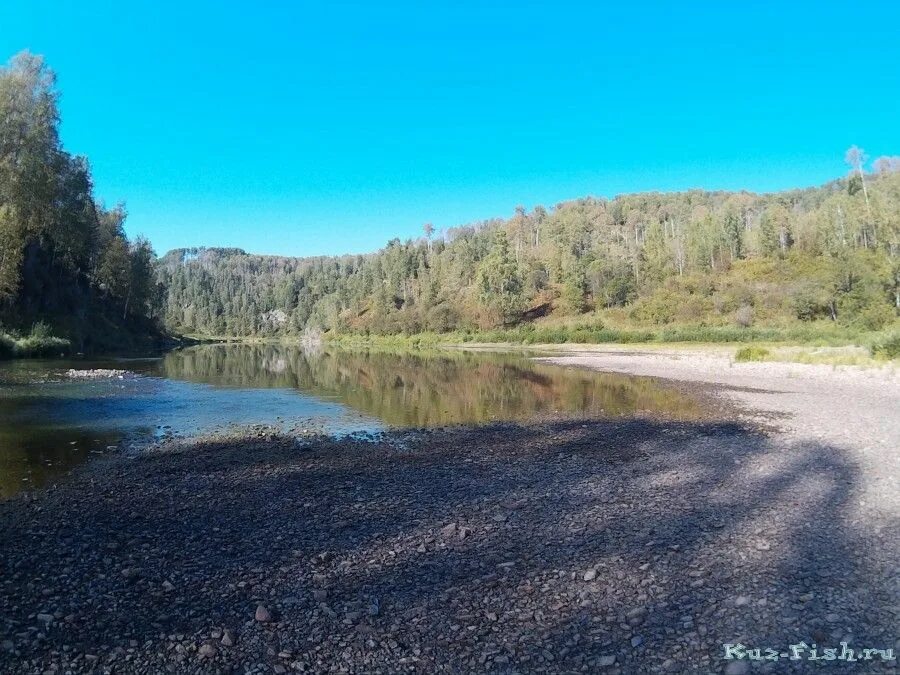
(685, 259)
(753, 353)
(499, 283)
(887, 346)
(810, 305)
(40, 330)
(38, 343)
(63, 257)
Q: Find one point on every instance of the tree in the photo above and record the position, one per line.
(775, 230)
(886, 164)
(499, 283)
(657, 258)
(733, 230)
(139, 298)
(856, 158)
(59, 250)
(29, 149)
(114, 272)
(699, 256)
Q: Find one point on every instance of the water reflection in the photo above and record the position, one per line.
(49, 423)
(416, 389)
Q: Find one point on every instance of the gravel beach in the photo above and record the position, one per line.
(569, 545)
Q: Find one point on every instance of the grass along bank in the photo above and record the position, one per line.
(822, 342)
(882, 345)
(39, 342)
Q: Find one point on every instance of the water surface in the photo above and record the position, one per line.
(50, 422)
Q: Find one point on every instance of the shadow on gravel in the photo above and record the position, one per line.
(638, 545)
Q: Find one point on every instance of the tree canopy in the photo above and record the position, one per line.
(64, 258)
(694, 257)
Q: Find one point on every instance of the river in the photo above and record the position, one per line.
(52, 419)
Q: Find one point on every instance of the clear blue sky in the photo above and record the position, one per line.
(320, 127)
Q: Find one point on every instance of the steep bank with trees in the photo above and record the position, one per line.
(66, 266)
(817, 261)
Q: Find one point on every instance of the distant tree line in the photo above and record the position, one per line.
(64, 258)
(828, 253)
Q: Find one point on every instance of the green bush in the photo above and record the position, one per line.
(40, 330)
(752, 353)
(876, 316)
(888, 346)
(808, 306)
(39, 343)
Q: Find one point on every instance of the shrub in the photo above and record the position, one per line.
(887, 347)
(659, 308)
(808, 306)
(40, 330)
(752, 353)
(876, 316)
(743, 317)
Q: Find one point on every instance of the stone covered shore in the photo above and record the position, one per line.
(627, 546)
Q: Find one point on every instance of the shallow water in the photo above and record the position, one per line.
(50, 422)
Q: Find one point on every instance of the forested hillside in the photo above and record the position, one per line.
(825, 258)
(827, 255)
(66, 267)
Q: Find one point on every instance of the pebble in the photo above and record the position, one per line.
(207, 650)
(490, 596)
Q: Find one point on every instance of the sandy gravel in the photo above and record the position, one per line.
(851, 408)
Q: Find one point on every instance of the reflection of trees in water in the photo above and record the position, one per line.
(424, 389)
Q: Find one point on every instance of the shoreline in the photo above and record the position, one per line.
(557, 545)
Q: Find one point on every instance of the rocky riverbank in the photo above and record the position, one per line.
(628, 546)
(635, 545)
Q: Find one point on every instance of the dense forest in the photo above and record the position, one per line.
(66, 266)
(825, 256)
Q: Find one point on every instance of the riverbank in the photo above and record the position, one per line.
(32, 346)
(883, 344)
(52, 347)
(637, 545)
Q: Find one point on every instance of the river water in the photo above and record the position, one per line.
(51, 421)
